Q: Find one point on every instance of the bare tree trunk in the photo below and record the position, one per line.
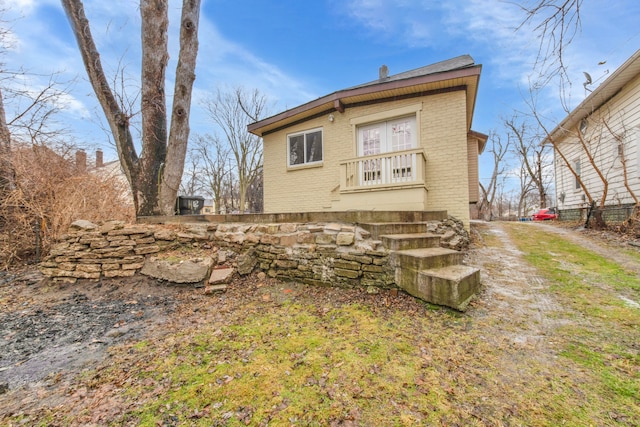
(155, 22)
(498, 151)
(620, 140)
(181, 109)
(155, 175)
(117, 119)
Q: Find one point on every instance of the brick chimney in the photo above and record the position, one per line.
(99, 159)
(81, 161)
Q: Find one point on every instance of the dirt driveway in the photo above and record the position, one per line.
(51, 334)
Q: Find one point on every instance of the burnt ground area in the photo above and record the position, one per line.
(51, 332)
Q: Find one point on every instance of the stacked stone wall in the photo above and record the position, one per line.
(314, 253)
(318, 253)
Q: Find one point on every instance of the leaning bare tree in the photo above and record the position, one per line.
(233, 110)
(154, 174)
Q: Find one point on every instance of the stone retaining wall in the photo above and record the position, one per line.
(312, 253)
(315, 253)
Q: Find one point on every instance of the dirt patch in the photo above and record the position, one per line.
(512, 300)
(50, 333)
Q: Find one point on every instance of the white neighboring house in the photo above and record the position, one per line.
(609, 122)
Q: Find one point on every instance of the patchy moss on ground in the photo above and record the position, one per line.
(273, 353)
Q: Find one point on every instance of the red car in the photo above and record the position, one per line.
(546, 214)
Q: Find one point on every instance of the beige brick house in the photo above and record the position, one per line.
(400, 143)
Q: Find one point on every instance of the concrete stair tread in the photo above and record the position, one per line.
(409, 236)
(403, 241)
(386, 228)
(378, 224)
(426, 252)
(451, 272)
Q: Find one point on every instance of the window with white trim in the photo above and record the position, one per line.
(388, 136)
(304, 148)
(576, 169)
(391, 135)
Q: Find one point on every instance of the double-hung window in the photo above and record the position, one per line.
(304, 148)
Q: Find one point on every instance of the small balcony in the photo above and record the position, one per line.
(383, 171)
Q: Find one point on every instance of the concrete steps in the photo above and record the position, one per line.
(424, 258)
(423, 268)
(399, 242)
(379, 229)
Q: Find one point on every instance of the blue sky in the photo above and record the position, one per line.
(295, 51)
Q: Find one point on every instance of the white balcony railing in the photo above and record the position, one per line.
(387, 169)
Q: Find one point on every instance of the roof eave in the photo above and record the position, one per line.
(481, 138)
(334, 101)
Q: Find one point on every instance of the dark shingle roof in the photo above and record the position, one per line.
(462, 61)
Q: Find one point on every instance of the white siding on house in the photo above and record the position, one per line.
(616, 123)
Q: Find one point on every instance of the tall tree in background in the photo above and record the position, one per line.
(531, 154)
(155, 174)
(213, 156)
(498, 150)
(233, 111)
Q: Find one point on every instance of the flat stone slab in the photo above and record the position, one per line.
(220, 275)
(189, 271)
(214, 289)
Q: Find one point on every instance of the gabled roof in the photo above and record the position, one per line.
(460, 73)
(600, 95)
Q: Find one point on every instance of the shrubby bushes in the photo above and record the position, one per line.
(48, 193)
